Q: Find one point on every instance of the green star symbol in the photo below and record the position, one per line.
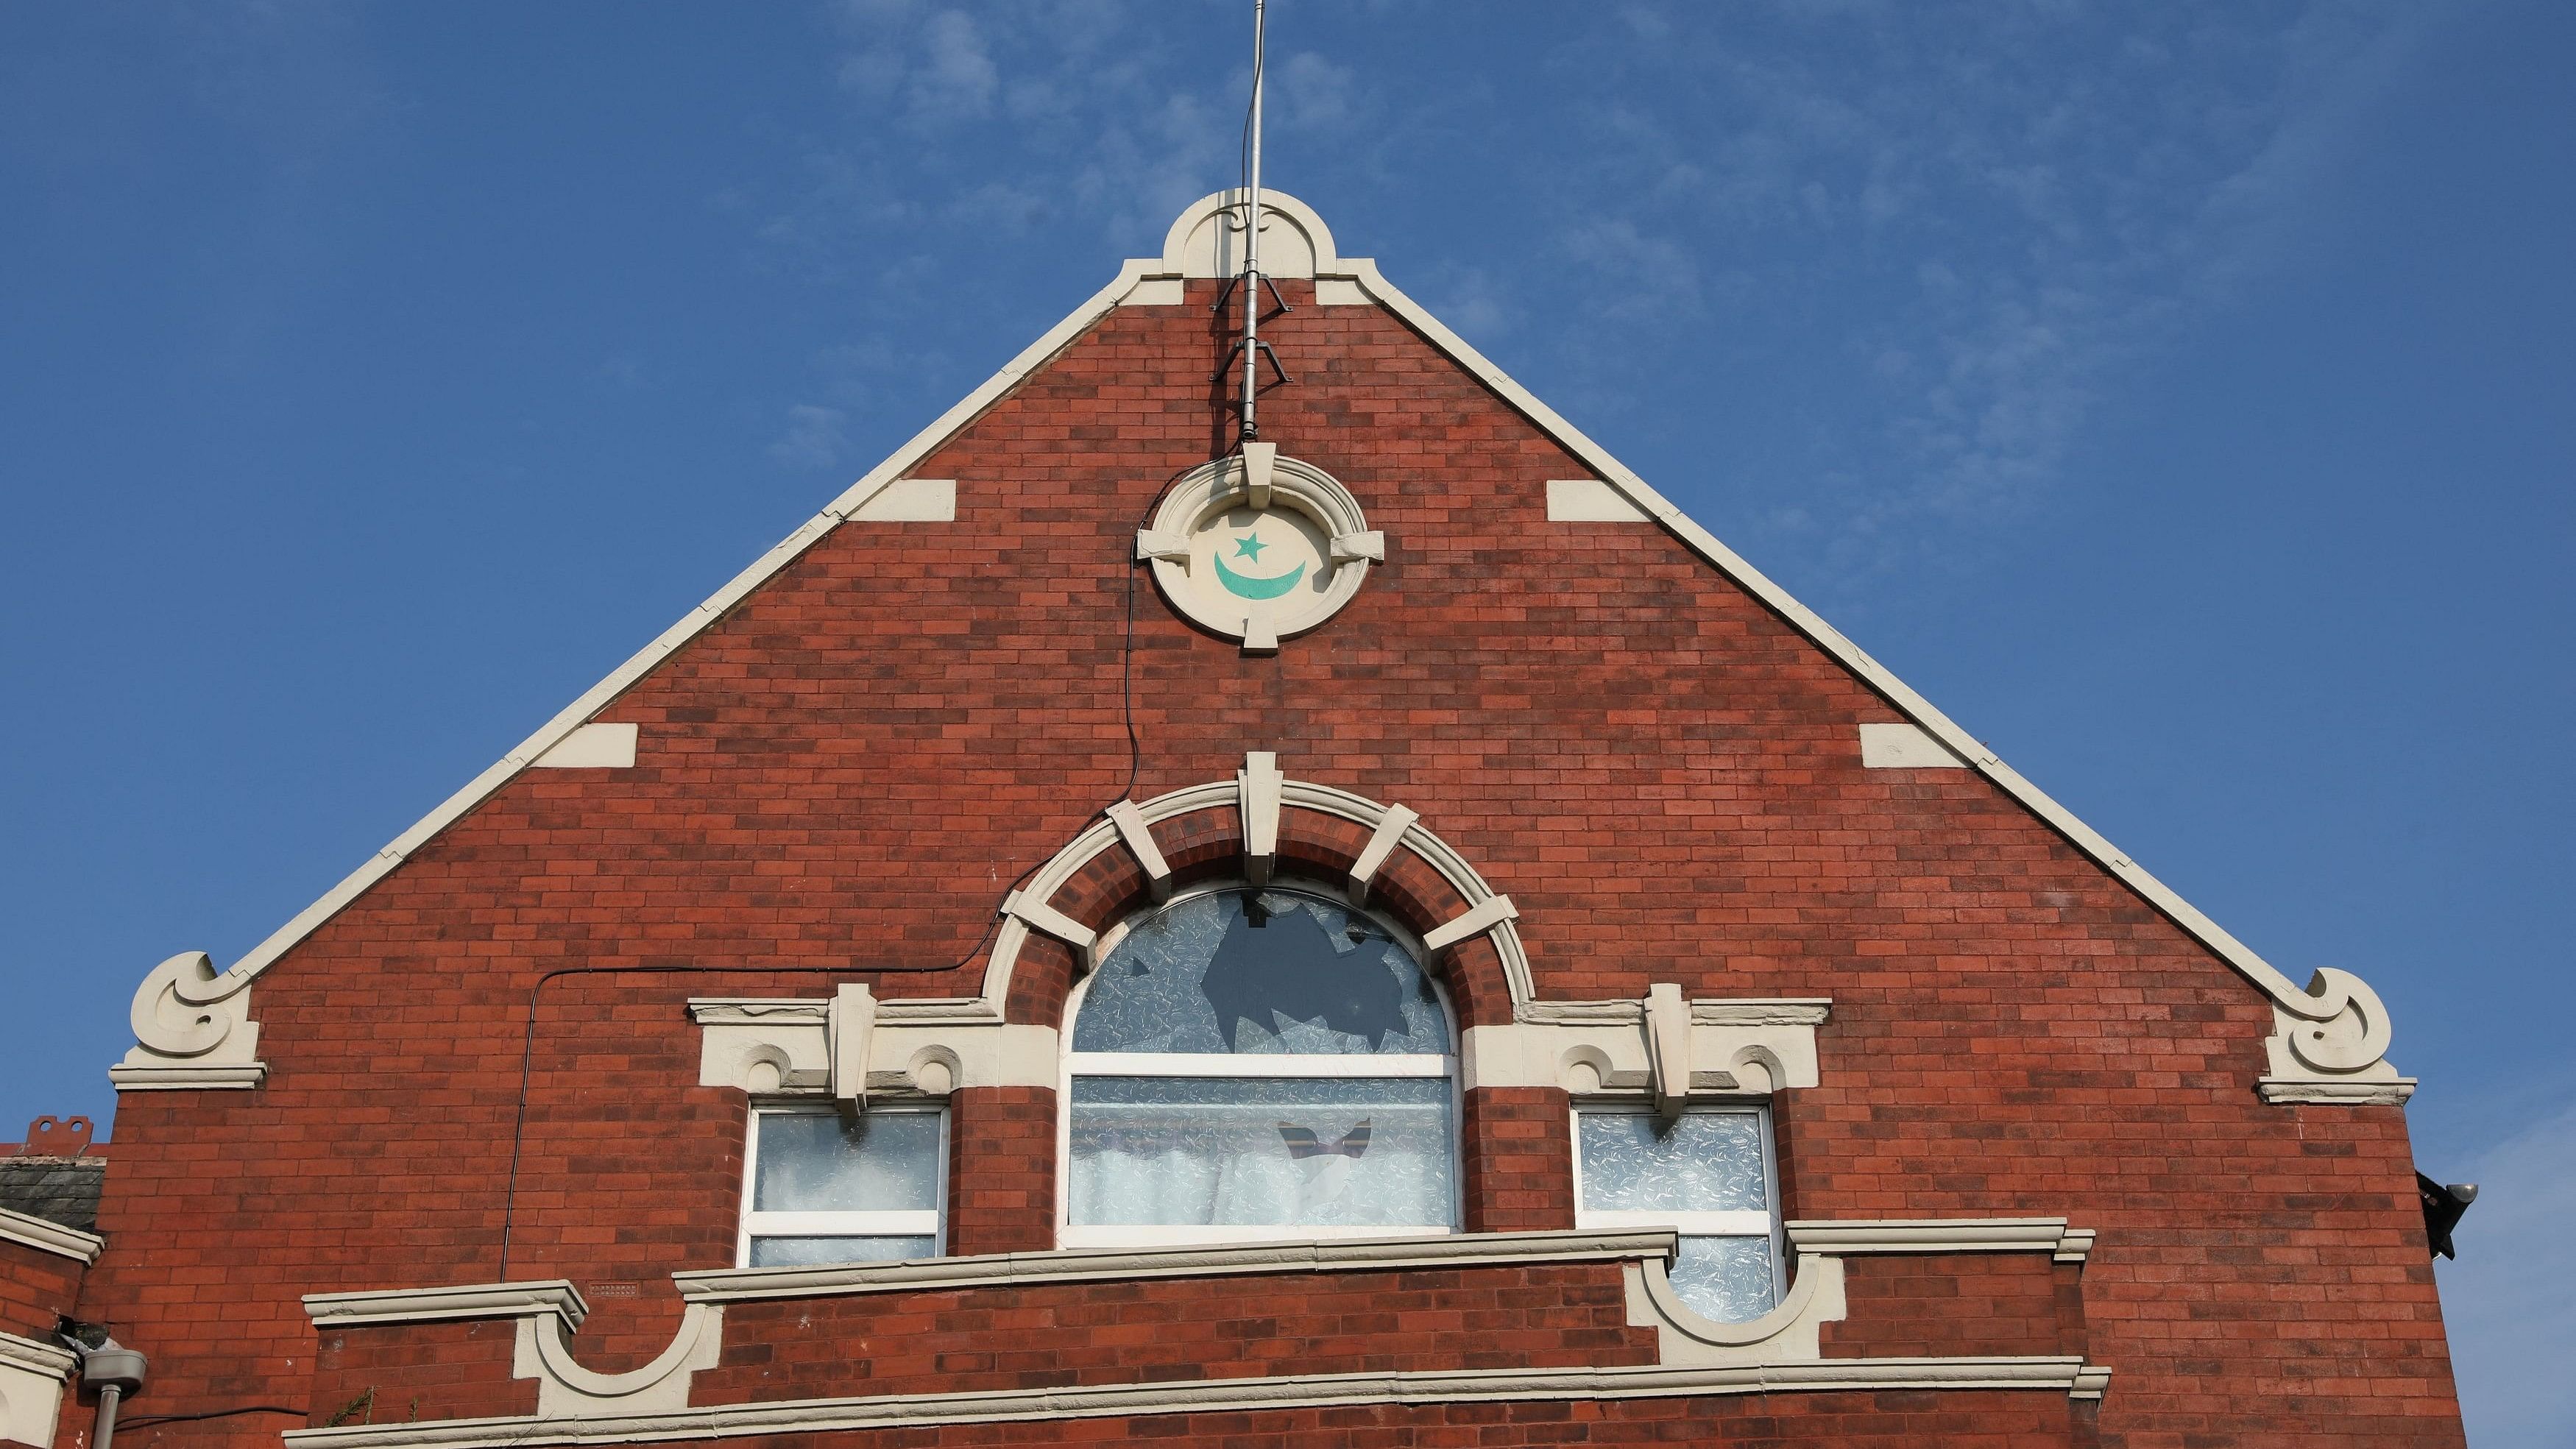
(1249, 547)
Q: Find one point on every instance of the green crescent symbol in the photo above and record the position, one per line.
(1237, 584)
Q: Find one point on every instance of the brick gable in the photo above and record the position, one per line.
(841, 776)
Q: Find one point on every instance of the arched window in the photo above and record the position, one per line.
(1251, 1064)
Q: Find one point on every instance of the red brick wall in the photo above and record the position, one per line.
(1058, 1335)
(36, 1288)
(1517, 1151)
(852, 766)
(396, 1374)
(1959, 1304)
(1001, 1170)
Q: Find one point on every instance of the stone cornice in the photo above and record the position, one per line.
(48, 1236)
(1705, 1011)
(2066, 1375)
(1945, 1235)
(41, 1358)
(2390, 1091)
(470, 1300)
(1082, 1265)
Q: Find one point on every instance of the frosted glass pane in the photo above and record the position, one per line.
(1700, 1162)
(1357, 1152)
(1728, 1279)
(1295, 973)
(814, 1162)
(821, 1252)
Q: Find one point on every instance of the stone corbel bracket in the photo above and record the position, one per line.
(1661, 1046)
(548, 1312)
(192, 1029)
(2330, 1045)
(772, 1046)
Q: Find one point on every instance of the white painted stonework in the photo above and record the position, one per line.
(1743, 1047)
(192, 1029)
(2063, 1244)
(368, 1307)
(543, 1351)
(32, 1376)
(1259, 547)
(772, 1046)
(1787, 1333)
(911, 500)
(2329, 1046)
(592, 747)
(1589, 500)
(46, 1236)
(1904, 747)
(1395, 828)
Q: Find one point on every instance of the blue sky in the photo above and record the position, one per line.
(2177, 395)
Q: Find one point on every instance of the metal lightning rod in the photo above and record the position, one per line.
(1251, 284)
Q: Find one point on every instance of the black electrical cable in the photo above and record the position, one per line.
(528, 1036)
(213, 1414)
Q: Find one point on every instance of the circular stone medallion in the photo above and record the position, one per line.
(1259, 548)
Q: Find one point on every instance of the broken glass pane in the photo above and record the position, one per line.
(1270, 971)
(1363, 1152)
(1699, 1162)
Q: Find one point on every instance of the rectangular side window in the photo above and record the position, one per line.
(824, 1188)
(1708, 1174)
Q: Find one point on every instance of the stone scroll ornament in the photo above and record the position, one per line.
(192, 1028)
(2330, 1044)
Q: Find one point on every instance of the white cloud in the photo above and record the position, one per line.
(813, 438)
(2507, 1302)
(958, 78)
(1313, 94)
(1637, 276)
(2031, 198)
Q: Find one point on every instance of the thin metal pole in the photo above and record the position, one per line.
(1251, 284)
(105, 1435)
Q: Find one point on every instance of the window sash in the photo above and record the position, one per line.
(912, 1223)
(1762, 1223)
(840, 1223)
(1078, 1066)
(1254, 1064)
(1744, 1223)
(1162, 1235)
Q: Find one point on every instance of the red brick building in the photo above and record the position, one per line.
(1388, 935)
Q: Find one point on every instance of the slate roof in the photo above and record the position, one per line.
(61, 1190)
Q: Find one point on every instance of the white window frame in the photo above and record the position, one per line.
(1764, 1223)
(886, 1223)
(1265, 1066)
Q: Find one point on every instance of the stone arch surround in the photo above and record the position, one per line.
(1259, 826)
